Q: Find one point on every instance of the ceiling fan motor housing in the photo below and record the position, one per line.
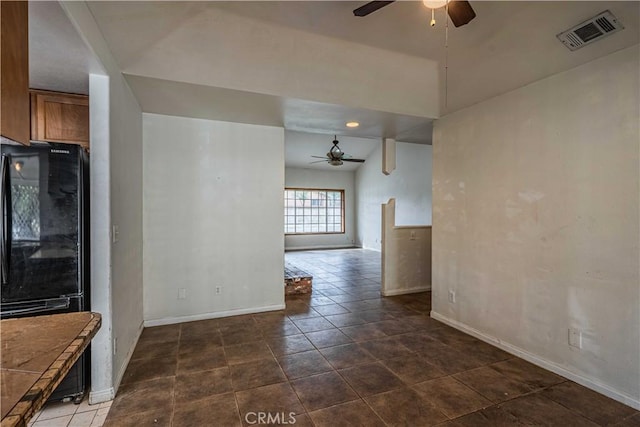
(335, 152)
(336, 157)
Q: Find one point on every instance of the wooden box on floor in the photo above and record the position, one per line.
(297, 285)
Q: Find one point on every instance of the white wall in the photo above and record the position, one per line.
(102, 388)
(116, 196)
(213, 217)
(126, 215)
(536, 222)
(330, 180)
(409, 184)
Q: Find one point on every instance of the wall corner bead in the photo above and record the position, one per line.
(388, 155)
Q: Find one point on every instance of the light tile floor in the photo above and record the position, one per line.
(68, 414)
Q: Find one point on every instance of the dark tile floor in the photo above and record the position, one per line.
(344, 356)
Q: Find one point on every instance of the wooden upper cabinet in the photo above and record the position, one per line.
(60, 117)
(14, 70)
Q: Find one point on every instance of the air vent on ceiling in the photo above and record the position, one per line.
(590, 30)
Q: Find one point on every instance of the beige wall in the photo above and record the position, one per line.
(126, 214)
(213, 218)
(406, 255)
(536, 222)
(116, 200)
(264, 58)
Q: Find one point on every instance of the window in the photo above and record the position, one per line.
(310, 211)
(25, 202)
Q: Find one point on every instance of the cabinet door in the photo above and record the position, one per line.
(60, 118)
(14, 74)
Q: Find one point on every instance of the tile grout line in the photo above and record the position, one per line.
(175, 380)
(362, 307)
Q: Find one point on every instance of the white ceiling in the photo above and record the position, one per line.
(300, 146)
(59, 60)
(508, 45)
(403, 25)
(207, 102)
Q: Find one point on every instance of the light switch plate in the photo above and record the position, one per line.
(115, 233)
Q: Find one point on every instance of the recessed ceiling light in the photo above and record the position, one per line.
(353, 124)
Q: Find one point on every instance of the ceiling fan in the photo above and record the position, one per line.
(335, 156)
(460, 11)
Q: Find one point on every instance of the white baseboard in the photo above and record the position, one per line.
(123, 368)
(543, 363)
(394, 292)
(100, 396)
(214, 315)
(319, 247)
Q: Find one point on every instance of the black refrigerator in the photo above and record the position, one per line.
(45, 239)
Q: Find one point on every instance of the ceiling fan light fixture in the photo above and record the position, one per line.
(434, 4)
(335, 153)
(460, 11)
(335, 156)
(352, 124)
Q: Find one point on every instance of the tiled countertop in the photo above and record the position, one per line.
(37, 353)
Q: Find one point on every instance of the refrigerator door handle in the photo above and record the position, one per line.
(6, 218)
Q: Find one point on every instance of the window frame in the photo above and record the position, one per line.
(342, 211)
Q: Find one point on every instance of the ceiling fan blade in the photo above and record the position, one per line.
(460, 12)
(320, 157)
(353, 160)
(319, 161)
(370, 7)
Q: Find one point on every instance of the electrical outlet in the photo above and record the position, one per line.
(575, 338)
(218, 290)
(115, 346)
(452, 296)
(182, 293)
